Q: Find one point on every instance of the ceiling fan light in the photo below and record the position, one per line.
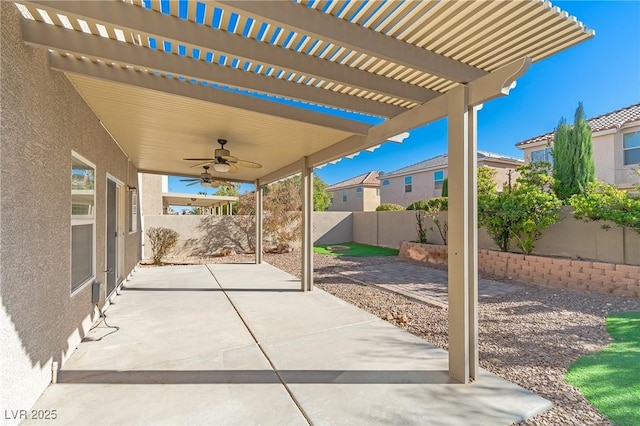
(205, 184)
(221, 167)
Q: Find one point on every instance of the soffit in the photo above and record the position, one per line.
(379, 58)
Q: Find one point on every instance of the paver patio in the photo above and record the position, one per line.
(239, 344)
(419, 282)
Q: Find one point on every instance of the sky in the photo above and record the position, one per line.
(603, 73)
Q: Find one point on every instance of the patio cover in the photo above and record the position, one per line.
(167, 79)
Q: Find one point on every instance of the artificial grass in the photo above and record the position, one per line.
(610, 379)
(355, 249)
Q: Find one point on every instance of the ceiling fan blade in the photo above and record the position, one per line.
(233, 168)
(198, 159)
(249, 164)
(189, 180)
(201, 164)
(193, 183)
(229, 158)
(215, 183)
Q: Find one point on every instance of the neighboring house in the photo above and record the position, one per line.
(616, 146)
(423, 180)
(358, 194)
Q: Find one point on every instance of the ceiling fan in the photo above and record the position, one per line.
(223, 161)
(205, 179)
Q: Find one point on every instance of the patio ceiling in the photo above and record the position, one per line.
(167, 79)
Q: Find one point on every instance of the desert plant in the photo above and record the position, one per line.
(162, 240)
(388, 207)
(422, 233)
(431, 208)
(573, 167)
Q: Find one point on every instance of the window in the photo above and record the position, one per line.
(132, 205)
(407, 184)
(83, 201)
(377, 192)
(541, 155)
(438, 178)
(385, 182)
(344, 195)
(631, 148)
(359, 192)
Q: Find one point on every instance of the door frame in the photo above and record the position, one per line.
(119, 244)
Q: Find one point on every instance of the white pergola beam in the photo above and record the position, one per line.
(305, 20)
(112, 51)
(101, 70)
(194, 36)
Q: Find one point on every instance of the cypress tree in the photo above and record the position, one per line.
(573, 168)
(445, 187)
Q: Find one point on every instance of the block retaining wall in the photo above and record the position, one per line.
(594, 277)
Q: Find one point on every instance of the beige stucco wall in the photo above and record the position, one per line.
(567, 238)
(151, 194)
(206, 235)
(43, 119)
(371, 199)
(608, 157)
(353, 203)
(423, 186)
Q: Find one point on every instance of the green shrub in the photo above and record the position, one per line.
(603, 201)
(520, 212)
(162, 240)
(389, 207)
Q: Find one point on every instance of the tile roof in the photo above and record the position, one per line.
(442, 161)
(611, 120)
(367, 179)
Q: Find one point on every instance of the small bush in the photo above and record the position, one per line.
(162, 240)
(438, 203)
(389, 207)
(431, 208)
(603, 201)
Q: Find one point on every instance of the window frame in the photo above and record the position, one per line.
(437, 183)
(408, 184)
(132, 210)
(82, 220)
(386, 182)
(548, 157)
(344, 195)
(359, 192)
(632, 148)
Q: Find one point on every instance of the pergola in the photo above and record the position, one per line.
(167, 79)
(214, 203)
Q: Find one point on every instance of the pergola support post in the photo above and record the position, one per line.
(259, 218)
(462, 238)
(307, 225)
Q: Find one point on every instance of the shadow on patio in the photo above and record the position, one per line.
(239, 344)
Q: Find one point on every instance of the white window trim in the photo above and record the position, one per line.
(410, 184)
(83, 220)
(628, 149)
(129, 207)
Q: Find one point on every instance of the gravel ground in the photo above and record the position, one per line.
(530, 336)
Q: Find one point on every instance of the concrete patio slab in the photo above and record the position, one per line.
(239, 344)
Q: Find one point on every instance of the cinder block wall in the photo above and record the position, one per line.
(568, 237)
(43, 120)
(595, 277)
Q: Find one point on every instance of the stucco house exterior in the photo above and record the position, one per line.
(358, 194)
(616, 146)
(69, 217)
(94, 93)
(423, 180)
